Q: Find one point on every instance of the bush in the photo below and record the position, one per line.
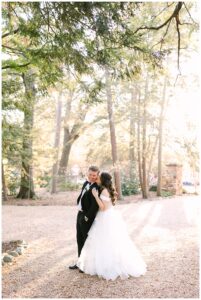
(44, 180)
(130, 187)
(166, 194)
(13, 183)
(153, 188)
(69, 186)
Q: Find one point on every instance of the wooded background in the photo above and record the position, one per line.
(110, 84)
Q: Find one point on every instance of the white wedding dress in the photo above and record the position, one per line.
(109, 251)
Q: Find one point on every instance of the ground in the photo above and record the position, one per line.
(165, 231)
(68, 198)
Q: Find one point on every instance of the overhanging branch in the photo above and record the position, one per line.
(15, 66)
(174, 14)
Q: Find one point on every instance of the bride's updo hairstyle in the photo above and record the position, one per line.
(106, 182)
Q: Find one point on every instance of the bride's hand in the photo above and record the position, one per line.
(95, 192)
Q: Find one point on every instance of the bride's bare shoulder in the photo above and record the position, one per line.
(105, 192)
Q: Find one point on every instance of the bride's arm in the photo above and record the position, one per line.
(98, 200)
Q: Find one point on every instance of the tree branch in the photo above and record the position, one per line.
(189, 14)
(15, 66)
(175, 13)
(168, 5)
(9, 33)
(179, 41)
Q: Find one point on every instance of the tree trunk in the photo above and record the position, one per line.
(132, 136)
(139, 142)
(113, 136)
(151, 160)
(4, 188)
(144, 143)
(70, 135)
(159, 188)
(56, 145)
(67, 144)
(27, 185)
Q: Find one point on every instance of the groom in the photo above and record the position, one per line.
(87, 209)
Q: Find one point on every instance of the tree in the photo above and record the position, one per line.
(74, 119)
(132, 146)
(27, 185)
(160, 135)
(113, 135)
(4, 188)
(56, 143)
(144, 141)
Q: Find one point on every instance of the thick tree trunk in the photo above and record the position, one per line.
(67, 139)
(144, 143)
(27, 185)
(159, 188)
(132, 155)
(113, 136)
(56, 145)
(4, 188)
(67, 144)
(70, 136)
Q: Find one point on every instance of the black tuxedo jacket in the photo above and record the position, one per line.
(88, 202)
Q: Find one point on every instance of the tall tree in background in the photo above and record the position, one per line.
(132, 144)
(139, 149)
(113, 135)
(160, 137)
(73, 127)
(57, 142)
(27, 185)
(4, 188)
(144, 141)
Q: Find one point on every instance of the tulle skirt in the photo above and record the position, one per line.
(109, 251)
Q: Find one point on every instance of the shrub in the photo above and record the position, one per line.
(153, 188)
(13, 183)
(44, 180)
(166, 194)
(130, 187)
(69, 186)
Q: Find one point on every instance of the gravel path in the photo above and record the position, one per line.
(165, 231)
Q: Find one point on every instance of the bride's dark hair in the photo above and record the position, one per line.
(106, 182)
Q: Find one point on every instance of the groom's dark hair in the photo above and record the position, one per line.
(94, 169)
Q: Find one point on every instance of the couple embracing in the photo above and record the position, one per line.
(104, 245)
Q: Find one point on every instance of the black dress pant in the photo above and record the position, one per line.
(82, 231)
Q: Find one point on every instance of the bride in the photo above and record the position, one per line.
(109, 251)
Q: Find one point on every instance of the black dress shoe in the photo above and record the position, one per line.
(73, 267)
(81, 271)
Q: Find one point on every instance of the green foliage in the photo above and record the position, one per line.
(11, 141)
(44, 180)
(130, 187)
(153, 188)
(69, 186)
(13, 183)
(166, 193)
(49, 37)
